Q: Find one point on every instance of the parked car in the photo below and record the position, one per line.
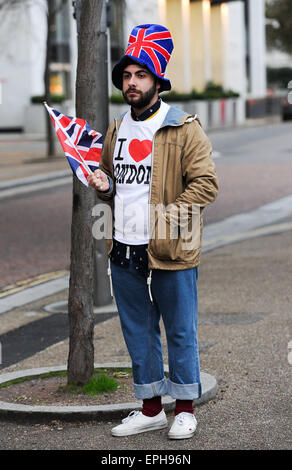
(286, 110)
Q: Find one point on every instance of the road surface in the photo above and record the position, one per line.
(254, 166)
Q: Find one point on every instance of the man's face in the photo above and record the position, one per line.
(139, 86)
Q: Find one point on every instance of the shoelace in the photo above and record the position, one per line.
(130, 416)
(183, 416)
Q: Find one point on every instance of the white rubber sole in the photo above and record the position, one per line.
(181, 436)
(131, 432)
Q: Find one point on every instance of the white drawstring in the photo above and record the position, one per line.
(110, 277)
(192, 118)
(149, 280)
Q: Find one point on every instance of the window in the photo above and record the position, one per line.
(61, 34)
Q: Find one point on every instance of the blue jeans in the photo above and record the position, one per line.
(175, 300)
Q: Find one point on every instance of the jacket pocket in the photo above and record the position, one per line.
(174, 237)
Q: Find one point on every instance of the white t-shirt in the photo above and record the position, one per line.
(132, 171)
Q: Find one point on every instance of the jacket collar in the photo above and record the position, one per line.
(175, 117)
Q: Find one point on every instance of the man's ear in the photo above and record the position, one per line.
(158, 85)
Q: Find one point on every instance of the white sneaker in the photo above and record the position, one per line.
(136, 423)
(183, 427)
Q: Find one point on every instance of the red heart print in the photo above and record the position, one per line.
(140, 149)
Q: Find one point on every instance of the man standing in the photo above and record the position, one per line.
(156, 156)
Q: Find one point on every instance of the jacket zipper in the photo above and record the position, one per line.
(112, 243)
(193, 118)
(109, 272)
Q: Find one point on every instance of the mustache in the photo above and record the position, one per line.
(132, 89)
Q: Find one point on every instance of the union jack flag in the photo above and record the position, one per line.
(147, 45)
(81, 144)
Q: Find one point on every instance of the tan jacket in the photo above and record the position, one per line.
(183, 175)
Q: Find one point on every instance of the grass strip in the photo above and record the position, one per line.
(102, 381)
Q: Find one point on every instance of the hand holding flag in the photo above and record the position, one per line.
(99, 181)
(81, 144)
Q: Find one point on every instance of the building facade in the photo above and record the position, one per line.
(215, 40)
(222, 42)
(23, 37)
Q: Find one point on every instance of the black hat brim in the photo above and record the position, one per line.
(117, 73)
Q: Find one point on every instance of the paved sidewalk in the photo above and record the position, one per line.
(23, 156)
(245, 307)
(244, 332)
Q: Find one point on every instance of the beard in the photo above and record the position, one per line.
(143, 100)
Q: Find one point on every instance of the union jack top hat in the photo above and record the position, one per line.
(151, 46)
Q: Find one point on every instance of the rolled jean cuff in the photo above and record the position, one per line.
(184, 391)
(150, 390)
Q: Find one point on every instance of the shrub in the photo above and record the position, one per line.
(211, 91)
(41, 99)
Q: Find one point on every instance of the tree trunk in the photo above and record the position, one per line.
(49, 128)
(80, 303)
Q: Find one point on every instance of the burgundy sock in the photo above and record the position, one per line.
(183, 405)
(152, 406)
